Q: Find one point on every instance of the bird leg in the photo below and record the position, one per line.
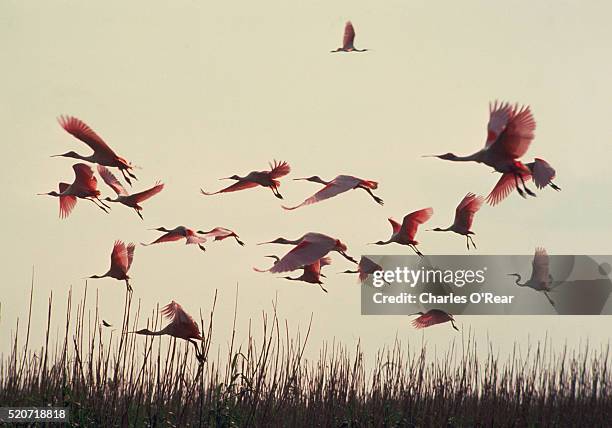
(376, 198)
(322, 275)
(453, 324)
(239, 241)
(123, 171)
(472, 241)
(322, 288)
(201, 247)
(276, 193)
(467, 240)
(96, 204)
(518, 189)
(416, 250)
(549, 299)
(129, 287)
(201, 359)
(554, 186)
(529, 192)
(139, 215)
(102, 202)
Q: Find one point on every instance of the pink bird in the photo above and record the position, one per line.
(182, 326)
(311, 273)
(541, 172)
(121, 261)
(405, 233)
(340, 184)
(257, 178)
(348, 40)
(123, 197)
(510, 133)
(102, 155)
(221, 233)
(180, 232)
(84, 186)
(309, 248)
(540, 280)
(433, 317)
(464, 216)
(365, 268)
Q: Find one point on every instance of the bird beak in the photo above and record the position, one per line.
(303, 178)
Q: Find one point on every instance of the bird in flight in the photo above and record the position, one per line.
(540, 280)
(123, 197)
(433, 317)
(348, 40)
(309, 248)
(257, 178)
(510, 132)
(464, 216)
(102, 155)
(405, 233)
(221, 233)
(180, 232)
(311, 273)
(340, 184)
(84, 186)
(541, 171)
(121, 261)
(181, 326)
(105, 324)
(365, 268)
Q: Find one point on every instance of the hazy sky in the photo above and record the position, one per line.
(197, 90)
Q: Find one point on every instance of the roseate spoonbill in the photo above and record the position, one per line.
(102, 155)
(366, 267)
(405, 233)
(257, 178)
(541, 172)
(340, 184)
(180, 232)
(221, 233)
(541, 279)
(309, 248)
(432, 317)
(464, 216)
(510, 132)
(84, 186)
(348, 40)
(123, 197)
(181, 326)
(311, 273)
(121, 261)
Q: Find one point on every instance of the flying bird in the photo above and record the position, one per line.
(221, 233)
(180, 232)
(105, 324)
(365, 268)
(102, 153)
(510, 133)
(121, 261)
(433, 317)
(348, 40)
(257, 178)
(340, 184)
(541, 171)
(181, 326)
(309, 248)
(311, 273)
(123, 197)
(464, 216)
(84, 186)
(405, 233)
(541, 279)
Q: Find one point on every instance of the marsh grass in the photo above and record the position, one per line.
(121, 379)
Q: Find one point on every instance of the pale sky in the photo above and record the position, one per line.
(192, 91)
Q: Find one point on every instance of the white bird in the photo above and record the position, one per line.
(541, 279)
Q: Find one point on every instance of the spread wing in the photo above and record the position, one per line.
(80, 130)
(240, 185)
(338, 185)
(542, 173)
(540, 270)
(395, 225)
(367, 267)
(349, 36)
(505, 186)
(119, 257)
(130, 254)
(112, 181)
(464, 214)
(194, 238)
(279, 169)
(413, 220)
(430, 318)
(167, 237)
(146, 194)
(84, 177)
(67, 202)
(517, 133)
(303, 254)
(177, 316)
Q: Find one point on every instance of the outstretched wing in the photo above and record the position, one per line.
(80, 130)
(183, 322)
(367, 267)
(413, 220)
(130, 254)
(395, 225)
(67, 202)
(146, 194)
(110, 179)
(340, 184)
(542, 173)
(464, 214)
(279, 169)
(349, 36)
(167, 237)
(430, 318)
(119, 257)
(517, 134)
(84, 178)
(240, 185)
(540, 265)
(194, 238)
(303, 254)
(505, 186)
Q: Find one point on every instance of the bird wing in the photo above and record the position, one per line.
(505, 185)
(80, 130)
(67, 202)
(111, 181)
(167, 237)
(349, 35)
(540, 271)
(395, 225)
(240, 185)
(194, 238)
(542, 173)
(411, 221)
(367, 267)
(305, 253)
(279, 169)
(119, 257)
(146, 194)
(219, 232)
(325, 261)
(514, 140)
(340, 184)
(130, 254)
(177, 316)
(84, 177)
(464, 214)
(428, 319)
(499, 115)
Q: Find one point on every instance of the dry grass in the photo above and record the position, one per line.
(129, 380)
